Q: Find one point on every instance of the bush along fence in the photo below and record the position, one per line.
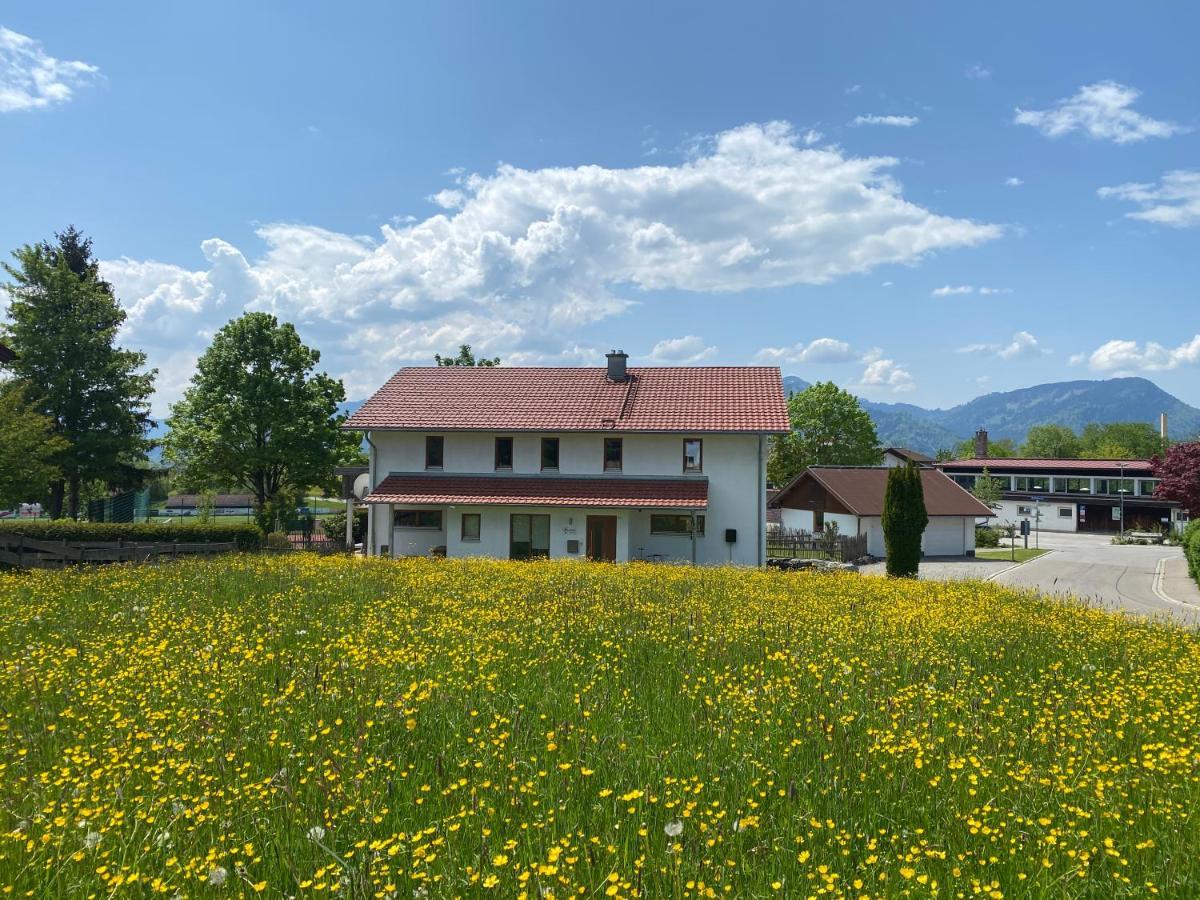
(1191, 548)
(58, 543)
(788, 543)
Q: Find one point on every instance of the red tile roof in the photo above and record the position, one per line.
(860, 489)
(669, 398)
(1012, 464)
(508, 490)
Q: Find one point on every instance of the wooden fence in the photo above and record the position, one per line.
(798, 544)
(31, 553)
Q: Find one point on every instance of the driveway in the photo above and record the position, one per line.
(1150, 581)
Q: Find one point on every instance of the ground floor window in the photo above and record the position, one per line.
(529, 536)
(470, 526)
(1065, 512)
(674, 524)
(1024, 510)
(417, 518)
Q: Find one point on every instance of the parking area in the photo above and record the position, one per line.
(949, 568)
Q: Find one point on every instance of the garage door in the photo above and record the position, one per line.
(944, 537)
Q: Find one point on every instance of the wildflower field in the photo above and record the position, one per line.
(293, 726)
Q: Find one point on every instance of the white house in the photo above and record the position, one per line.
(902, 456)
(611, 463)
(851, 497)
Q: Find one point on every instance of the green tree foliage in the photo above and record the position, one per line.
(64, 323)
(1001, 449)
(1051, 442)
(28, 447)
(987, 489)
(829, 427)
(1179, 469)
(904, 520)
(466, 358)
(1120, 440)
(257, 417)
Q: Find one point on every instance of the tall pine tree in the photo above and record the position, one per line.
(64, 323)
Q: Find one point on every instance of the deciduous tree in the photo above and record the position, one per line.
(28, 447)
(987, 489)
(1051, 442)
(64, 323)
(257, 416)
(1179, 471)
(1120, 440)
(466, 358)
(829, 427)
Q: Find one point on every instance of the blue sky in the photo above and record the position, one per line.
(922, 206)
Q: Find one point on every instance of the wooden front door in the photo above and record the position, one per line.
(602, 538)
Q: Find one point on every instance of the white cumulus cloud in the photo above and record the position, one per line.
(1013, 181)
(884, 374)
(951, 290)
(520, 261)
(1022, 346)
(1103, 111)
(894, 121)
(1130, 356)
(1174, 201)
(819, 350)
(32, 79)
(683, 350)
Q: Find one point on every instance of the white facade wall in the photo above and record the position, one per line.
(735, 466)
(1009, 512)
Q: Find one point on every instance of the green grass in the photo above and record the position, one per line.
(299, 726)
(1021, 554)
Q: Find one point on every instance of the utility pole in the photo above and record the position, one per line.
(1121, 491)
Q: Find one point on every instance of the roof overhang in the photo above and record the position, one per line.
(446, 489)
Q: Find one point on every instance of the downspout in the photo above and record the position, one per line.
(762, 493)
(369, 550)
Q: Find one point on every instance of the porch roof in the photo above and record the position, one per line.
(518, 490)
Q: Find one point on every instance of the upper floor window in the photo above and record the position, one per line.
(693, 456)
(434, 451)
(550, 453)
(504, 453)
(1114, 485)
(967, 482)
(1031, 483)
(1146, 486)
(1072, 485)
(613, 453)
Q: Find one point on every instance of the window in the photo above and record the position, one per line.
(1066, 512)
(549, 453)
(966, 482)
(504, 452)
(434, 446)
(417, 518)
(612, 454)
(693, 457)
(1114, 486)
(1146, 487)
(470, 526)
(675, 524)
(1024, 510)
(1072, 485)
(1029, 483)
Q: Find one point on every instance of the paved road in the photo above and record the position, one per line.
(1145, 580)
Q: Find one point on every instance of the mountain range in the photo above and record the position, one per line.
(1010, 414)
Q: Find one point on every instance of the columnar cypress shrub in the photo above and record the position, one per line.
(904, 520)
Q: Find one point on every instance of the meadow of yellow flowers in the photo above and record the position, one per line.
(295, 726)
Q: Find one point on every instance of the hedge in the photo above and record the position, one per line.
(1191, 548)
(247, 537)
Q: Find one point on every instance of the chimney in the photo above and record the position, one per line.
(981, 444)
(1162, 427)
(616, 364)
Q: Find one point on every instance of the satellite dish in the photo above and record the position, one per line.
(362, 485)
